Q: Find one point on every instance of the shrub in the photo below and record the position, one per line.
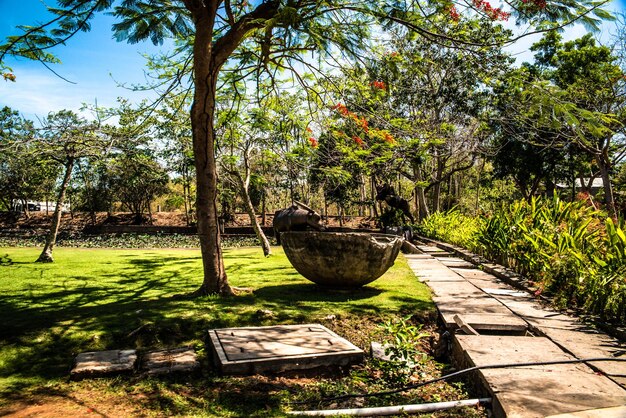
(453, 227)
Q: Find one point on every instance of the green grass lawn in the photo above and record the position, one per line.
(96, 299)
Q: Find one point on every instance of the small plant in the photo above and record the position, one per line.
(403, 348)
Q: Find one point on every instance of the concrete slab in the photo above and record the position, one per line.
(455, 262)
(482, 313)
(584, 342)
(430, 249)
(438, 277)
(470, 305)
(182, 359)
(103, 363)
(502, 291)
(279, 348)
(535, 391)
(432, 270)
(453, 288)
(474, 274)
(514, 308)
(617, 412)
(489, 322)
(418, 256)
(571, 335)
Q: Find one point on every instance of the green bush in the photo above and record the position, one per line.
(453, 227)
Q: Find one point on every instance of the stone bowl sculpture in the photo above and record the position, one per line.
(340, 259)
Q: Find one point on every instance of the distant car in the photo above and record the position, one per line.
(33, 207)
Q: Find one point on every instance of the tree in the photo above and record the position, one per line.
(136, 179)
(93, 189)
(66, 138)
(242, 137)
(427, 100)
(516, 148)
(271, 35)
(25, 174)
(174, 129)
(592, 81)
(572, 100)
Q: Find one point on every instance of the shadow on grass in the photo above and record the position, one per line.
(309, 292)
(44, 325)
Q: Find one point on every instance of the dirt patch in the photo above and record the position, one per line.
(77, 403)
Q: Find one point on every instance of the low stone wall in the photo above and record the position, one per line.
(154, 229)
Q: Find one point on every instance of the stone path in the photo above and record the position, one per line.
(515, 327)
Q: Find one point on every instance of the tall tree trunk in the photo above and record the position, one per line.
(263, 209)
(373, 195)
(478, 176)
(362, 195)
(186, 202)
(51, 239)
(421, 196)
(186, 194)
(340, 215)
(437, 187)
(609, 199)
(202, 122)
(243, 188)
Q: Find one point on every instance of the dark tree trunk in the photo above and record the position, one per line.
(263, 210)
(202, 117)
(609, 199)
(208, 57)
(51, 239)
(373, 196)
(421, 196)
(437, 186)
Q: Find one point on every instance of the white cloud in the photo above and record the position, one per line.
(38, 92)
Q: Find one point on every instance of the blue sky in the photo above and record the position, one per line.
(97, 64)
(93, 60)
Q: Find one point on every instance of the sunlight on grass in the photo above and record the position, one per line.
(94, 299)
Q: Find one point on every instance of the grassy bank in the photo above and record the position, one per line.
(95, 299)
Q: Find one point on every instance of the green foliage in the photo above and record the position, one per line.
(451, 226)
(561, 117)
(564, 247)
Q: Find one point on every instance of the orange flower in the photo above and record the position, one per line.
(341, 108)
(313, 142)
(364, 125)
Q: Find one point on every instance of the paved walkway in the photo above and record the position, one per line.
(512, 326)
